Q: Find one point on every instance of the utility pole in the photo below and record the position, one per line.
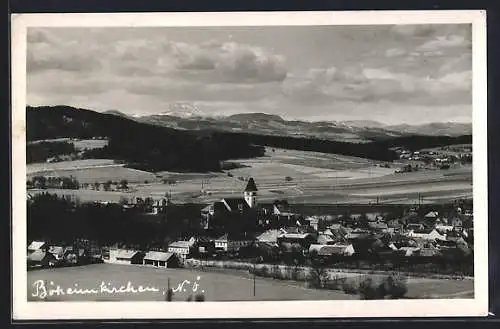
(254, 266)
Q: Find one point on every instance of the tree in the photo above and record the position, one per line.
(124, 184)
(107, 185)
(395, 286)
(318, 273)
(96, 186)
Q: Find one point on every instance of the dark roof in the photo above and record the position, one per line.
(424, 231)
(234, 202)
(236, 237)
(251, 187)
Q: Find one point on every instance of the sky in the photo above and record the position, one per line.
(393, 74)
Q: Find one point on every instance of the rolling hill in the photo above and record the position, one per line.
(201, 144)
(361, 131)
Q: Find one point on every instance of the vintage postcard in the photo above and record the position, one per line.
(249, 165)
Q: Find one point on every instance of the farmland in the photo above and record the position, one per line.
(80, 144)
(217, 286)
(301, 177)
(89, 171)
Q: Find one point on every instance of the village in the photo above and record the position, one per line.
(240, 229)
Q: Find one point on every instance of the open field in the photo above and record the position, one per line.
(90, 171)
(34, 168)
(217, 286)
(80, 144)
(312, 178)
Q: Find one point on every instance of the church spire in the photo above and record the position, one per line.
(251, 187)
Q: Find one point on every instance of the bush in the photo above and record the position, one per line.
(350, 286)
(368, 289)
(199, 298)
(395, 286)
(335, 284)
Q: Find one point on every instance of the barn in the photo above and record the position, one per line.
(160, 259)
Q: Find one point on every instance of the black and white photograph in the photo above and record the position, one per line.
(277, 163)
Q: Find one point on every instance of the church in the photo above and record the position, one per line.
(222, 213)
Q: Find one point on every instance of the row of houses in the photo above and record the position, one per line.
(43, 254)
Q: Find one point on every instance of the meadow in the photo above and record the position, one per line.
(217, 286)
(301, 177)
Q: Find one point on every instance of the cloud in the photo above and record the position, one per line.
(229, 61)
(405, 67)
(440, 42)
(395, 52)
(365, 84)
(46, 52)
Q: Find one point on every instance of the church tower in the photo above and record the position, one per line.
(250, 193)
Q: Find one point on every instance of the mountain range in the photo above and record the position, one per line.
(183, 117)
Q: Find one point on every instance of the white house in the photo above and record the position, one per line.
(445, 228)
(338, 249)
(182, 248)
(36, 245)
(227, 243)
(429, 234)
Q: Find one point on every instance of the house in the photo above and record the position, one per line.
(313, 222)
(182, 248)
(73, 255)
(324, 239)
(426, 234)
(232, 242)
(378, 226)
(445, 228)
(415, 227)
(58, 252)
(395, 224)
(358, 234)
(302, 239)
(282, 211)
(457, 223)
(429, 252)
(205, 245)
(432, 215)
(332, 250)
(374, 217)
(161, 259)
(125, 256)
(336, 232)
(408, 251)
(37, 245)
(40, 258)
(270, 236)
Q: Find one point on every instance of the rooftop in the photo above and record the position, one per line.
(35, 245)
(158, 255)
(251, 187)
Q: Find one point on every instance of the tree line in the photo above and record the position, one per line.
(41, 151)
